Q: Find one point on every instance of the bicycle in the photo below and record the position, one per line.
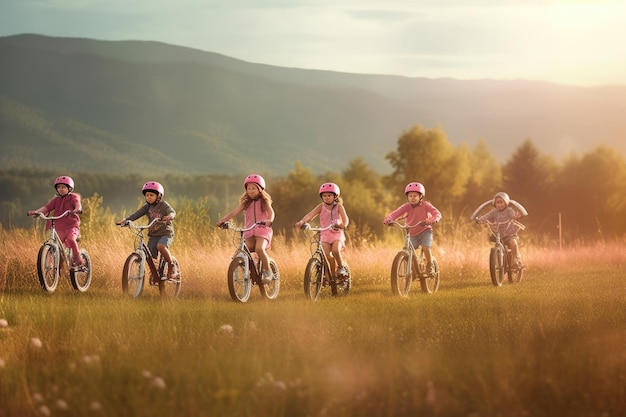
(52, 257)
(134, 271)
(500, 255)
(409, 265)
(318, 273)
(245, 269)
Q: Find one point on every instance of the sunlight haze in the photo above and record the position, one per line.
(569, 42)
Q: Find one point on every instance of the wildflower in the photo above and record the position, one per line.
(4, 323)
(36, 342)
(61, 404)
(158, 382)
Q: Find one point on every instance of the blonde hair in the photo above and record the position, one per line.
(266, 200)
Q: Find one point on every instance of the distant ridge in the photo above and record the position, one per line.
(131, 106)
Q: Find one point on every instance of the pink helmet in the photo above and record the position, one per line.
(64, 180)
(415, 186)
(254, 179)
(504, 196)
(330, 187)
(153, 186)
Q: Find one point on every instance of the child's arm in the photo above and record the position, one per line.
(344, 217)
(309, 216)
(230, 215)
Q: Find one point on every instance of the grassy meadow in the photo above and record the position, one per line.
(553, 345)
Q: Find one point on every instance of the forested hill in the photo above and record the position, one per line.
(127, 107)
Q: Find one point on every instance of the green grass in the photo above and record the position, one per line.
(553, 345)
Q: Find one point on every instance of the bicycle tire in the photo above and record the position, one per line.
(170, 287)
(514, 275)
(313, 277)
(132, 278)
(496, 267)
(270, 290)
(239, 286)
(81, 278)
(48, 267)
(430, 283)
(400, 280)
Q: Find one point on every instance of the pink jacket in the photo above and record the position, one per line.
(416, 214)
(59, 205)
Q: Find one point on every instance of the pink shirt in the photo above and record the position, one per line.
(59, 205)
(415, 214)
(252, 215)
(327, 217)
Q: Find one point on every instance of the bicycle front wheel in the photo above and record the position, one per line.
(400, 279)
(239, 285)
(81, 277)
(48, 267)
(133, 276)
(313, 277)
(270, 291)
(496, 265)
(170, 287)
(430, 282)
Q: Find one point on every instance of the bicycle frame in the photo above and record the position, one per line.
(318, 272)
(500, 262)
(409, 264)
(53, 254)
(244, 271)
(133, 281)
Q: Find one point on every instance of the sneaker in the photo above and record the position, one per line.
(266, 277)
(342, 272)
(170, 272)
(430, 270)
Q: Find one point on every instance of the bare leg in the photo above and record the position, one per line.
(327, 247)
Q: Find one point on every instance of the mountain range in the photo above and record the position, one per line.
(73, 104)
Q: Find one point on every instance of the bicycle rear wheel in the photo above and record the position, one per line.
(170, 287)
(496, 265)
(270, 291)
(132, 276)
(430, 282)
(81, 277)
(400, 279)
(313, 277)
(48, 267)
(239, 285)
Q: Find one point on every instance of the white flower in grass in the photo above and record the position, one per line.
(146, 374)
(4, 323)
(36, 342)
(44, 410)
(158, 382)
(91, 359)
(37, 397)
(225, 329)
(61, 404)
(95, 406)
(2, 363)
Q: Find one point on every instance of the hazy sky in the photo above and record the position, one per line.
(566, 41)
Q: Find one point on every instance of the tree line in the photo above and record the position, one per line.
(583, 192)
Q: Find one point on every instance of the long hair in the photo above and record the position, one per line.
(266, 200)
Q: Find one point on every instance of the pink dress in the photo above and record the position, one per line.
(252, 215)
(327, 216)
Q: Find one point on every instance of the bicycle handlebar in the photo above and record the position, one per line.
(229, 225)
(43, 216)
(405, 226)
(130, 223)
(307, 226)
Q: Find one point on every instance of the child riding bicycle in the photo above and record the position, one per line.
(331, 212)
(503, 212)
(161, 233)
(256, 205)
(420, 215)
(68, 227)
